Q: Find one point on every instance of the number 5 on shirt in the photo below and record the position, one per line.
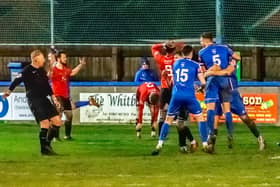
(216, 59)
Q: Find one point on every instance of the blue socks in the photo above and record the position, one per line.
(229, 124)
(202, 127)
(164, 131)
(210, 120)
(79, 104)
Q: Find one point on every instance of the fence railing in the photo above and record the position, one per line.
(138, 23)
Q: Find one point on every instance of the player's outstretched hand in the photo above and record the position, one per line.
(82, 60)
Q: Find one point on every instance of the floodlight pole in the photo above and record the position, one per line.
(52, 21)
(219, 21)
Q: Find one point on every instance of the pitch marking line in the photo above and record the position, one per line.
(274, 157)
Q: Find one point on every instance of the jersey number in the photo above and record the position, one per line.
(182, 75)
(168, 68)
(216, 59)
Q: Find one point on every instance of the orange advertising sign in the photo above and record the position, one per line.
(262, 108)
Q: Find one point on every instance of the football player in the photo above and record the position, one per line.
(148, 93)
(217, 57)
(185, 72)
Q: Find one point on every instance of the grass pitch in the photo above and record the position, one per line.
(113, 156)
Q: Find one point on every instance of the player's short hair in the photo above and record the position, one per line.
(35, 53)
(153, 98)
(187, 50)
(207, 35)
(59, 54)
(169, 49)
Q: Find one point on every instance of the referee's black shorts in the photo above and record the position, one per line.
(42, 108)
(65, 103)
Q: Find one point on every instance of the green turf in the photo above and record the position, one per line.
(112, 156)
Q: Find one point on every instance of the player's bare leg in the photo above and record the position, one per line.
(59, 109)
(253, 128)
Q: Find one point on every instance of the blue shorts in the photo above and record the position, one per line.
(218, 89)
(236, 105)
(178, 103)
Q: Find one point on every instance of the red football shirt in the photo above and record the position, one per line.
(165, 63)
(142, 96)
(60, 81)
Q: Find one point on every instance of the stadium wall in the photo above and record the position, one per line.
(107, 63)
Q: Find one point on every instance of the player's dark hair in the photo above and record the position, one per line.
(170, 49)
(153, 98)
(187, 50)
(207, 35)
(59, 54)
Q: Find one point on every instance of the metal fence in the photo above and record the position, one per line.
(138, 22)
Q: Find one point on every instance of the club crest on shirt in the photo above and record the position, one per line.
(214, 51)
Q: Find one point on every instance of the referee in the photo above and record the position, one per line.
(40, 100)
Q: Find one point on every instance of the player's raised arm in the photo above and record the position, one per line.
(77, 69)
(51, 60)
(156, 51)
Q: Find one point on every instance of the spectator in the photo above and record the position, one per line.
(145, 74)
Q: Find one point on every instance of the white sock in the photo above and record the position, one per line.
(193, 142)
(204, 144)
